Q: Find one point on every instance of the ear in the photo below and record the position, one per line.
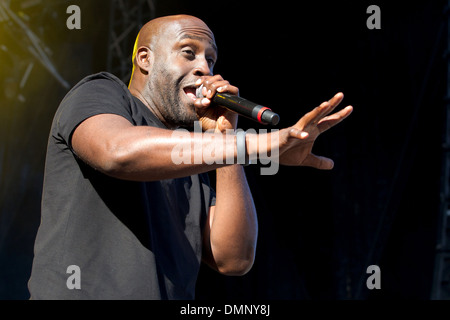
(144, 59)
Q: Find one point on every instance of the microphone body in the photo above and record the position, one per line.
(243, 107)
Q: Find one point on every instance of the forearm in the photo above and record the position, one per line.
(112, 145)
(148, 153)
(234, 226)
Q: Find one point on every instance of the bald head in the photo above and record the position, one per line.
(155, 30)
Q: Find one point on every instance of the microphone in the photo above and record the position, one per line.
(243, 107)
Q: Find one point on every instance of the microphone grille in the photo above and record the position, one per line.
(198, 92)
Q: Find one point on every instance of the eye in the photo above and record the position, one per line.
(189, 53)
(211, 62)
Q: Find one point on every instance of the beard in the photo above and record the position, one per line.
(168, 96)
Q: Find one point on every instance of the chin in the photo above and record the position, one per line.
(185, 120)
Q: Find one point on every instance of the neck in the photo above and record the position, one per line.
(138, 92)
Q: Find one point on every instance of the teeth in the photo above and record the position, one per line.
(192, 96)
(190, 92)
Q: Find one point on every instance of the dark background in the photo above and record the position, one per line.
(319, 231)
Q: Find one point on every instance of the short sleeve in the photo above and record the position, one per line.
(89, 98)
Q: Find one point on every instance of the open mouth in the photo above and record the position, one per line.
(190, 92)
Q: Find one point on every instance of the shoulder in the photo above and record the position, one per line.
(97, 83)
(100, 93)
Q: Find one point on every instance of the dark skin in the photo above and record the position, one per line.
(172, 57)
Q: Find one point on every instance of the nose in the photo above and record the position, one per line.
(202, 68)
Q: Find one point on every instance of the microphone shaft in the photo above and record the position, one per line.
(246, 108)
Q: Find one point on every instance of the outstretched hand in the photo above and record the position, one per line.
(296, 142)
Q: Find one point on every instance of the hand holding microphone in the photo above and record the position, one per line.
(243, 107)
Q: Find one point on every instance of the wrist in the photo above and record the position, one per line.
(262, 146)
(252, 146)
(241, 148)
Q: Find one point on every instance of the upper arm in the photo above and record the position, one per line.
(95, 140)
(112, 145)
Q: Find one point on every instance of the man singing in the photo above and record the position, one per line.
(115, 205)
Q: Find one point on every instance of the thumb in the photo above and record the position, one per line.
(318, 162)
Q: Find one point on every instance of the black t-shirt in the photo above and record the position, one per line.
(130, 240)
